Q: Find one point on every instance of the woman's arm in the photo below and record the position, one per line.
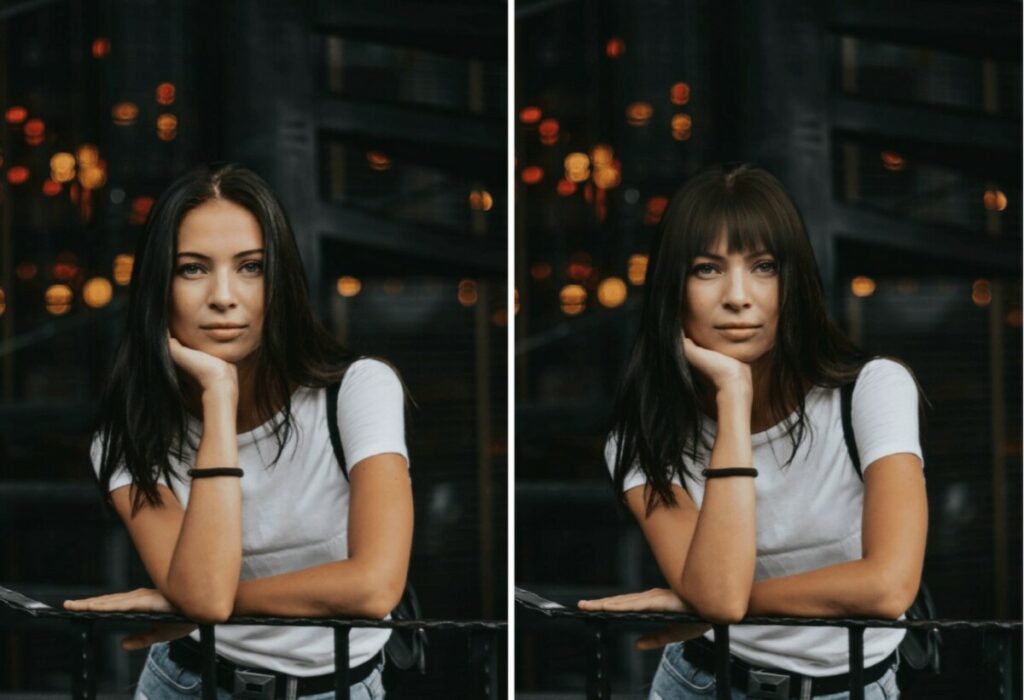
(370, 582)
(719, 565)
(885, 580)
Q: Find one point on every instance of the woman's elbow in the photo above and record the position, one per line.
(893, 596)
(721, 608)
(207, 612)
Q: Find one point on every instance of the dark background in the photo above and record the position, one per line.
(382, 128)
(896, 127)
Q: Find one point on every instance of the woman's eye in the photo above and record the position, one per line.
(190, 269)
(767, 266)
(253, 267)
(703, 269)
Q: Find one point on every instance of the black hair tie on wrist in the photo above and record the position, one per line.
(215, 471)
(729, 471)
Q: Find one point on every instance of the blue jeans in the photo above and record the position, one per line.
(162, 679)
(678, 679)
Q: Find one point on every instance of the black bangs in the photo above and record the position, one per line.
(741, 213)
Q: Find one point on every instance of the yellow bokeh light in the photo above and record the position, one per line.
(349, 286)
(601, 155)
(97, 292)
(572, 299)
(123, 269)
(88, 155)
(612, 292)
(636, 269)
(862, 286)
(577, 167)
(467, 292)
(62, 167)
(58, 299)
(93, 178)
(607, 178)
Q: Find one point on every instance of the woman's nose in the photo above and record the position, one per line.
(222, 295)
(737, 290)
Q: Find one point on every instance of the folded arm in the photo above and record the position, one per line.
(367, 584)
(884, 581)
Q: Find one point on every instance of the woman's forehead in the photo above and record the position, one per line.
(219, 226)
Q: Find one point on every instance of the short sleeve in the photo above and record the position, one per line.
(635, 477)
(371, 412)
(120, 477)
(884, 412)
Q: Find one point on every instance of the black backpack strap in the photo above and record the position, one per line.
(846, 408)
(332, 425)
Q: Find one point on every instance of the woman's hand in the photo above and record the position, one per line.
(726, 373)
(653, 600)
(208, 371)
(140, 600)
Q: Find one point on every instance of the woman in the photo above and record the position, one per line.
(728, 447)
(222, 372)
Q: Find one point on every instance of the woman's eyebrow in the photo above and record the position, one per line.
(191, 254)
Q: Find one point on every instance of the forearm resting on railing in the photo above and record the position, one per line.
(203, 572)
(860, 588)
(349, 588)
(719, 568)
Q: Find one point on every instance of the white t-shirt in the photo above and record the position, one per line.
(809, 512)
(295, 513)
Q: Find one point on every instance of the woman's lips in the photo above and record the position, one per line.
(224, 333)
(738, 333)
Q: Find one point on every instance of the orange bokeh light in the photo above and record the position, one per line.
(639, 113)
(124, 113)
(17, 175)
(532, 174)
(892, 161)
(995, 200)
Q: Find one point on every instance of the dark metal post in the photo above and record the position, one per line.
(341, 684)
(598, 681)
(998, 663)
(208, 662)
(483, 658)
(83, 686)
(723, 679)
(856, 663)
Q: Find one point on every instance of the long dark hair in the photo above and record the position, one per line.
(143, 419)
(656, 421)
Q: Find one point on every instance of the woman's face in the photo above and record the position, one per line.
(217, 301)
(732, 302)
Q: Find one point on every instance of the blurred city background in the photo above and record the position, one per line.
(896, 128)
(382, 127)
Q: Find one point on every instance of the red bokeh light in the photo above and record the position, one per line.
(566, 188)
(51, 188)
(17, 175)
(615, 47)
(100, 47)
(532, 174)
(16, 115)
(530, 115)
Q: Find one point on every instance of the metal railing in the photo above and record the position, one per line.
(599, 680)
(481, 633)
